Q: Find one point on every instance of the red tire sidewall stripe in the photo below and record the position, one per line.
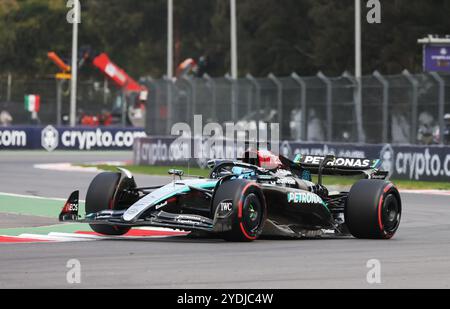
(380, 211)
(240, 212)
(380, 219)
(245, 232)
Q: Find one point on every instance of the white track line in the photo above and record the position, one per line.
(69, 167)
(72, 237)
(69, 237)
(427, 192)
(66, 167)
(52, 238)
(32, 197)
(35, 197)
(77, 236)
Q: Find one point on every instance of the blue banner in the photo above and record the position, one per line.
(422, 163)
(51, 138)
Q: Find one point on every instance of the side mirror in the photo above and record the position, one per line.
(178, 173)
(212, 164)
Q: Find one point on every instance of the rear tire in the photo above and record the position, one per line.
(249, 209)
(100, 197)
(373, 210)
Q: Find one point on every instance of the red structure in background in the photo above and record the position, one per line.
(135, 93)
(102, 62)
(116, 74)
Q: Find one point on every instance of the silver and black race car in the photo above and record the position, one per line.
(261, 195)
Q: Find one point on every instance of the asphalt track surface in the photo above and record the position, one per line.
(418, 257)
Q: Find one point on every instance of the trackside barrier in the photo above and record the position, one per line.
(403, 162)
(52, 138)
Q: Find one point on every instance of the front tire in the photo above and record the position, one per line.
(101, 197)
(373, 210)
(249, 211)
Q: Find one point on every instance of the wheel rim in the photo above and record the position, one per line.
(252, 213)
(391, 214)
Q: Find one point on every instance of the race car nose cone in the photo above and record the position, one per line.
(131, 214)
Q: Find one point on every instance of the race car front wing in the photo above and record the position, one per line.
(153, 219)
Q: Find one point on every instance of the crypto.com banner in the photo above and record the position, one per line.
(403, 162)
(51, 138)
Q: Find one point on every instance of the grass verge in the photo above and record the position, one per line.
(154, 170)
(29, 206)
(328, 180)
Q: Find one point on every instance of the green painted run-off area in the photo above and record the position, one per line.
(38, 207)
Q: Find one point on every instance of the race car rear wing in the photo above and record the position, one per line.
(331, 165)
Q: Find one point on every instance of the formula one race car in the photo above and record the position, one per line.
(261, 195)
